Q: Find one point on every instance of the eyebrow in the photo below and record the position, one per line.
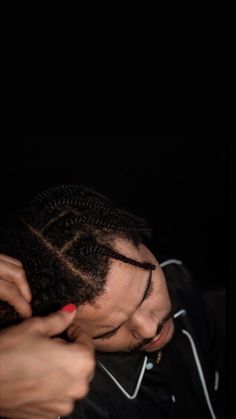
(149, 280)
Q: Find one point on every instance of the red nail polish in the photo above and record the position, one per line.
(69, 308)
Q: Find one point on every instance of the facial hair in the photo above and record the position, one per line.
(160, 326)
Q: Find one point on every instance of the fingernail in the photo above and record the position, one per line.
(69, 308)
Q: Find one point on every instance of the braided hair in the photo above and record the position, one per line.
(64, 238)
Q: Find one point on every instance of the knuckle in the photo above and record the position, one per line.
(9, 287)
(66, 408)
(36, 323)
(20, 274)
(91, 360)
(82, 390)
(91, 363)
(19, 262)
(87, 359)
(12, 293)
(86, 368)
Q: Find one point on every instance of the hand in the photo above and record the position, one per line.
(14, 288)
(42, 377)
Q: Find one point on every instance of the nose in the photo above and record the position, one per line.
(144, 326)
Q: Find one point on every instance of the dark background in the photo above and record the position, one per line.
(178, 184)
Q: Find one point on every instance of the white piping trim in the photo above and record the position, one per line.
(200, 372)
(217, 378)
(169, 261)
(180, 313)
(133, 396)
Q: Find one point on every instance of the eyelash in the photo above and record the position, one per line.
(109, 335)
(147, 295)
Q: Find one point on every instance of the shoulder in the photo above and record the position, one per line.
(185, 292)
(180, 280)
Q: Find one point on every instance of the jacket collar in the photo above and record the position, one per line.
(125, 369)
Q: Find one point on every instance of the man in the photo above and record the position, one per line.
(157, 349)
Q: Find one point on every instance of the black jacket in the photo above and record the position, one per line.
(188, 382)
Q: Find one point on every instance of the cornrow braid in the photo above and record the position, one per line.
(106, 251)
(71, 196)
(65, 239)
(103, 223)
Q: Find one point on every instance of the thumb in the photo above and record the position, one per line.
(58, 322)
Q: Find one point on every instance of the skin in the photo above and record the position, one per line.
(125, 288)
(31, 360)
(13, 285)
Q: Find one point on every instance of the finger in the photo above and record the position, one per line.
(12, 260)
(56, 323)
(31, 413)
(60, 340)
(84, 341)
(74, 331)
(26, 415)
(15, 275)
(12, 295)
(78, 335)
(39, 410)
(52, 408)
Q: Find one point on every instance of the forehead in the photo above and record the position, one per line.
(124, 287)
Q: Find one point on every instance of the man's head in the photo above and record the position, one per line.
(79, 247)
(134, 309)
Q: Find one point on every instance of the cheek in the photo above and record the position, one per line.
(164, 294)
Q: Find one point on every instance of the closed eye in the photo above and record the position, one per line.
(109, 335)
